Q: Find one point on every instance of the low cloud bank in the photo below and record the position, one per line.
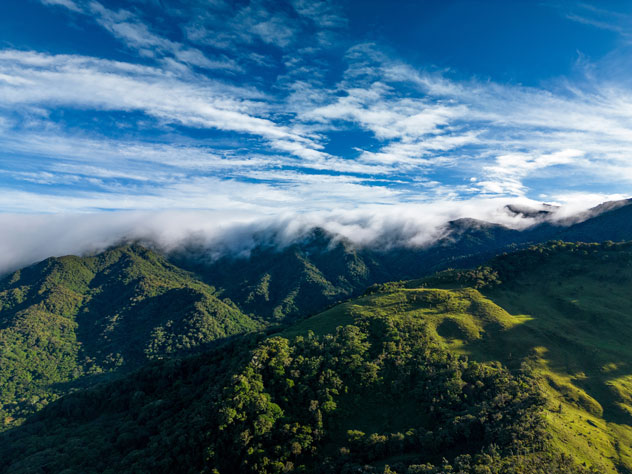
(27, 239)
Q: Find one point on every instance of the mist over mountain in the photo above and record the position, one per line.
(315, 237)
(122, 307)
(322, 268)
(217, 234)
(68, 324)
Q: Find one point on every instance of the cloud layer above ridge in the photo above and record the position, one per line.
(212, 234)
(232, 121)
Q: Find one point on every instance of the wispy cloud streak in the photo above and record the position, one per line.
(242, 102)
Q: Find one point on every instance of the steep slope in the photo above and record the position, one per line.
(563, 309)
(301, 279)
(283, 284)
(68, 319)
(384, 383)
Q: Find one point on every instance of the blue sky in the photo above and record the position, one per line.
(268, 107)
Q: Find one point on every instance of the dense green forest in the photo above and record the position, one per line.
(377, 396)
(67, 322)
(564, 309)
(521, 364)
(517, 366)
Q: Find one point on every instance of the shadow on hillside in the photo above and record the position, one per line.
(111, 338)
(89, 381)
(591, 368)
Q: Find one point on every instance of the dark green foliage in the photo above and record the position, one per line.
(283, 284)
(293, 282)
(298, 405)
(70, 318)
(379, 395)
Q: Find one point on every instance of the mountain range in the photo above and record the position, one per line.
(285, 283)
(147, 353)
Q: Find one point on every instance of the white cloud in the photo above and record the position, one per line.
(88, 83)
(601, 18)
(502, 134)
(63, 3)
(135, 34)
(234, 229)
(422, 134)
(509, 169)
(229, 25)
(426, 140)
(499, 135)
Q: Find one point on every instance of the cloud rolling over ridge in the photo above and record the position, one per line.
(30, 238)
(228, 122)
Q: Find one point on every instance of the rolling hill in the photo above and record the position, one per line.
(563, 309)
(558, 314)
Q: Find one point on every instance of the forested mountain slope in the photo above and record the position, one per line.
(283, 284)
(69, 319)
(377, 396)
(520, 366)
(563, 309)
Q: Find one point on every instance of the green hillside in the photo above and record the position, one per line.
(379, 396)
(520, 366)
(67, 321)
(564, 309)
(286, 283)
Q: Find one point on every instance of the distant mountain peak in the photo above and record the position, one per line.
(609, 206)
(528, 212)
(596, 211)
(467, 224)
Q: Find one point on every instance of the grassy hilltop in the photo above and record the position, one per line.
(564, 309)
